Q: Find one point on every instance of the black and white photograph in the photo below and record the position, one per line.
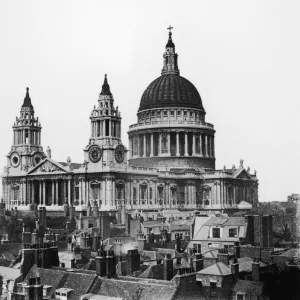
(149, 150)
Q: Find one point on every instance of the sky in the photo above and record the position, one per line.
(242, 56)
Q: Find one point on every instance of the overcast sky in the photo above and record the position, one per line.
(243, 57)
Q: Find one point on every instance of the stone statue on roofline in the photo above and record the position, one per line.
(242, 163)
(48, 151)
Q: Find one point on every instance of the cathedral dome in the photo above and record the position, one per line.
(171, 90)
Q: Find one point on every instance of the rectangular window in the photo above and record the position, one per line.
(240, 297)
(191, 114)
(216, 232)
(147, 115)
(158, 114)
(152, 113)
(232, 232)
(185, 113)
(172, 113)
(165, 113)
(179, 113)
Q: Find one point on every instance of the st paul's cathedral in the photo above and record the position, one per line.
(169, 163)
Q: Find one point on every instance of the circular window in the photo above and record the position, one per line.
(15, 160)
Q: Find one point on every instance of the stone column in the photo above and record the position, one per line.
(186, 195)
(44, 192)
(109, 127)
(80, 187)
(177, 144)
(200, 141)
(69, 192)
(113, 198)
(104, 127)
(185, 144)
(56, 192)
(24, 136)
(40, 202)
(194, 144)
(169, 144)
(32, 192)
(53, 196)
(206, 147)
(144, 139)
(151, 145)
(160, 144)
(130, 147)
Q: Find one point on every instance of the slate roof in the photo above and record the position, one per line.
(219, 269)
(80, 283)
(164, 252)
(245, 264)
(231, 221)
(249, 287)
(9, 273)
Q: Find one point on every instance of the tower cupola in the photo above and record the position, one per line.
(26, 150)
(170, 57)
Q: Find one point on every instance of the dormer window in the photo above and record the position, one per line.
(216, 232)
(232, 232)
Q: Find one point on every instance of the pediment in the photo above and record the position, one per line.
(242, 174)
(48, 166)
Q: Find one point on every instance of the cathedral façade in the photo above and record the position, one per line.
(169, 164)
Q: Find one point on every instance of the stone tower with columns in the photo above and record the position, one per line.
(171, 129)
(105, 147)
(26, 150)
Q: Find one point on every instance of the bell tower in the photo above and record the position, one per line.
(105, 145)
(26, 150)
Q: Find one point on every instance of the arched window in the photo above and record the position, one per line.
(150, 191)
(134, 193)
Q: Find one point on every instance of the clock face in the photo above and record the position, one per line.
(37, 158)
(15, 159)
(119, 154)
(95, 154)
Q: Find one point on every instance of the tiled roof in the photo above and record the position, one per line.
(210, 254)
(137, 288)
(219, 269)
(254, 288)
(149, 224)
(291, 253)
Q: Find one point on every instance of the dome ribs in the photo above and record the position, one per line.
(171, 90)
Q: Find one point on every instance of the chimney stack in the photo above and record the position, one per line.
(109, 264)
(133, 261)
(237, 249)
(223, 256)
(255, 269)
(101, 263)
(168, 267)
(235, 268)
(198, 262)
